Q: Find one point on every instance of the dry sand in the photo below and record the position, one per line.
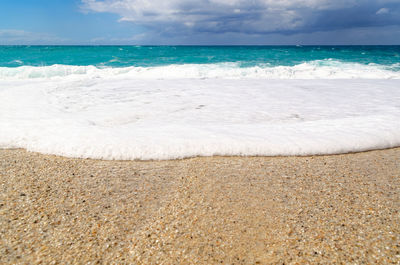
(230, 210)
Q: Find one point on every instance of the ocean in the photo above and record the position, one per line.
(168, 102)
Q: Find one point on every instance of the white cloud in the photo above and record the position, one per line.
(382, 11)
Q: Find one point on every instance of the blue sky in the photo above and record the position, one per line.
(200, 22)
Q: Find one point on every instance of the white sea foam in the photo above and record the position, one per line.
(324, 69)
(117, 114)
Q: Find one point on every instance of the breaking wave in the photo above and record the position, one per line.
(320, 69)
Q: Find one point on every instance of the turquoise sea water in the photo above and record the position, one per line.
(150, 56)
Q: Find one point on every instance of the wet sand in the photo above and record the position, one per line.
(230, 210)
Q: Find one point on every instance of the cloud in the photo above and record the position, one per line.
(382, 11)
(14, 36)
(249, 17)
(355, 36)
(217, 15)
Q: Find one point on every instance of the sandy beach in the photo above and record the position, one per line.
(338, 209)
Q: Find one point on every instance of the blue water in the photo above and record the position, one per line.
(146, 56)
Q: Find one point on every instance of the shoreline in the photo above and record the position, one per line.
(240, 210)
(198, 156)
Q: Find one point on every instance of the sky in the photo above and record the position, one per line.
(200, 22)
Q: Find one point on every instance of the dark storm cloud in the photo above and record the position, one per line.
(256, 17)
(363, 15)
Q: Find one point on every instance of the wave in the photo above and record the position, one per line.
(320, 69)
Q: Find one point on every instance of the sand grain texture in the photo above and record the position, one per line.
(230, 210)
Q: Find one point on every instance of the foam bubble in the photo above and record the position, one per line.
(124, 117)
